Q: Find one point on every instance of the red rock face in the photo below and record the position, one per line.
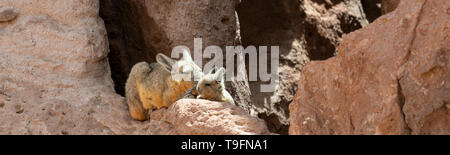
(425, 79)
(391, 77)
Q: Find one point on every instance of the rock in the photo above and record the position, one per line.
(391, 77)
(51, 86)
(303, 30)
(388, 6)
(425, 78)
(202, 117)
(8, 14)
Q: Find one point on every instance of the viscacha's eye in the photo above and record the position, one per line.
(207, 85)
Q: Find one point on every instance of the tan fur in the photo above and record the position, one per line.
(151, 86)
(212, 87)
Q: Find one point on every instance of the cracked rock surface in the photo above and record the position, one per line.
(391, 77)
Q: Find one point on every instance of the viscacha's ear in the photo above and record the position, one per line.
(187, 56)
(220, 74)
(165, 61)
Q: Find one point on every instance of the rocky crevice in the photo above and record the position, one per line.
(401, 96)
(271, 23)
(133, 37)
(401, 104)
(372, 9)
